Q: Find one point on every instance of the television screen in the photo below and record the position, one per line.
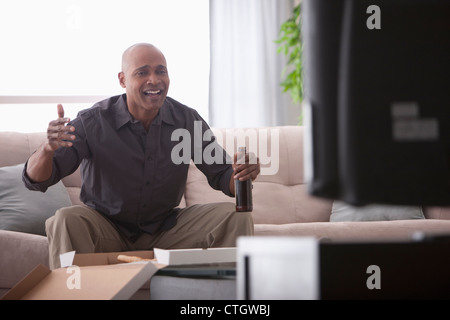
(377, 100)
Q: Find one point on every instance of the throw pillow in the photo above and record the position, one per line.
(342, 211)
(24, 210)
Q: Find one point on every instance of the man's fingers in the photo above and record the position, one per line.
(247, 167)
(58, 132)
(60, 124)
(56, 140)
(248, 173)
(56, 125)
(60, 109)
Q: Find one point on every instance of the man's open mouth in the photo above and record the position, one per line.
(152, 92)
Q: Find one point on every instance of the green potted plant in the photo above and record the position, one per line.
(290, 45)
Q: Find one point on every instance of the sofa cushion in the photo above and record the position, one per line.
(24, 210)
(398, 230)
(342, 211)
(16, 147)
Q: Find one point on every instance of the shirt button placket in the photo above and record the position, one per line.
(146, 189)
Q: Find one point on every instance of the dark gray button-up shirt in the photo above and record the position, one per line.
(128, 173)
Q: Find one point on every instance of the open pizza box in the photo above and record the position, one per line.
(101, 276)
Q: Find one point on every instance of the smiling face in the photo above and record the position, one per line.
(146, 80)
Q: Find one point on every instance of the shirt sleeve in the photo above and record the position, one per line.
(218, 176)
(225, 181)
(38, 186)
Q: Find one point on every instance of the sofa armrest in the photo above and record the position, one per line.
(19, 254)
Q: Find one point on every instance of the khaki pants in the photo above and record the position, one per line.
(85, 230)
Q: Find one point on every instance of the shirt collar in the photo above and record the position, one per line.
(123, 116)
(165, 113)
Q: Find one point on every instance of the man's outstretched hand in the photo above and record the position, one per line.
(58, 133)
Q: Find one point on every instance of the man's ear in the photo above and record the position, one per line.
(121, 76)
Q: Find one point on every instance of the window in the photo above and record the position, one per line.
(70, 51)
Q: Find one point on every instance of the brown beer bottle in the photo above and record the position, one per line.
(243, 189)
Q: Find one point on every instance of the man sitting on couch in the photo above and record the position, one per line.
(131, 186)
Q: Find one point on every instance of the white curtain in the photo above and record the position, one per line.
(245, 70)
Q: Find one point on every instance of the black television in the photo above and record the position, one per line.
(377, 100)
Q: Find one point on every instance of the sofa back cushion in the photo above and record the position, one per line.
(279, 193)
(16, 147)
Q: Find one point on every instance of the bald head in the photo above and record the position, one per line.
(137, 49)
(146, 80)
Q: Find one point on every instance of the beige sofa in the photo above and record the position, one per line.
(281, 203)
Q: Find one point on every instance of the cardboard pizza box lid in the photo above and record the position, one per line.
(92, 277)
